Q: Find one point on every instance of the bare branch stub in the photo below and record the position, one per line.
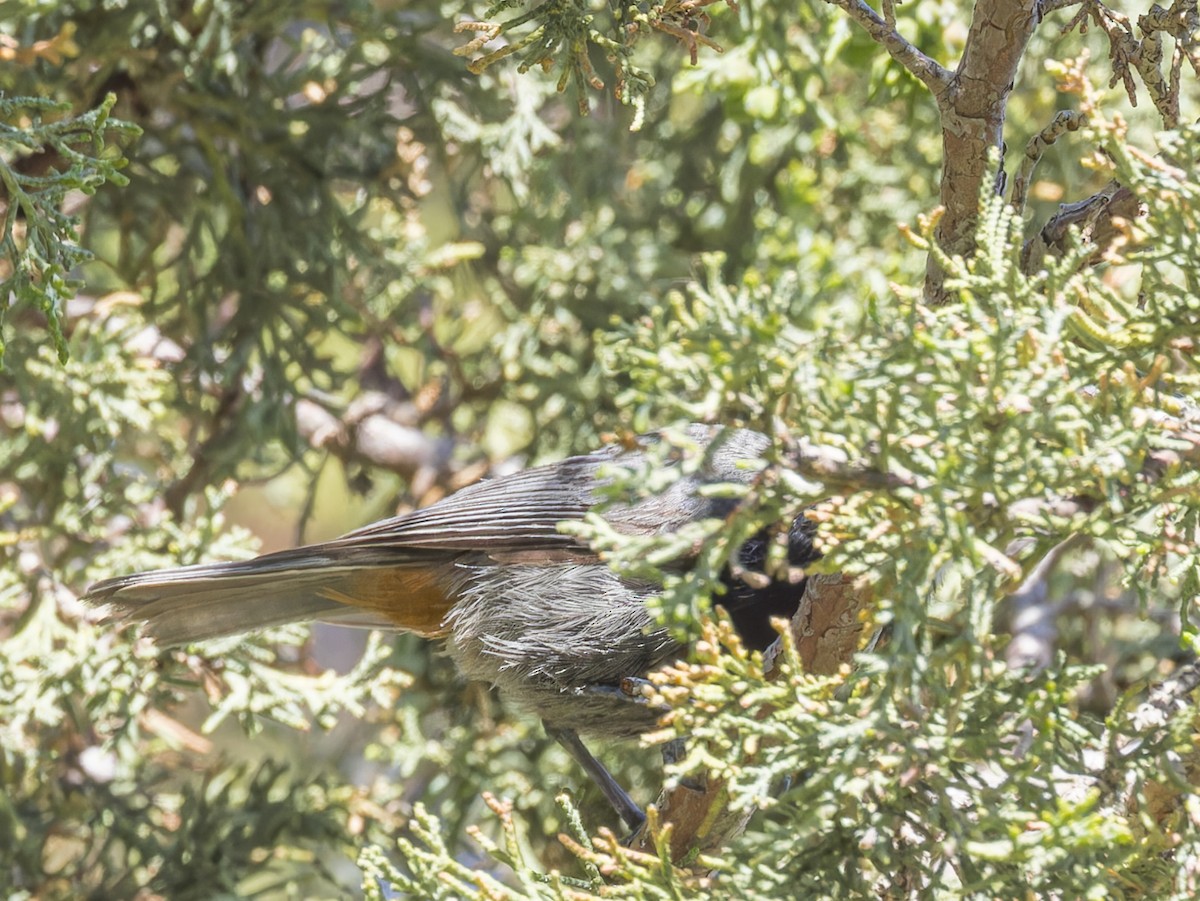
(1100, 219)
(686, 21)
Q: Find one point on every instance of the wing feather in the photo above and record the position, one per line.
(515, 512)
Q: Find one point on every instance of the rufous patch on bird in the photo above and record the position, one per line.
(409, 597)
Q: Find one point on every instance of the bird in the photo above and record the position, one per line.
(518, 602)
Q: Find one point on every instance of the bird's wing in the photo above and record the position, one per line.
(520, 511)
(396, 572)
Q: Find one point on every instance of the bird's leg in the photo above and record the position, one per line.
(624, 805)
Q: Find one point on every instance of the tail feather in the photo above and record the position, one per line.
(196, 603)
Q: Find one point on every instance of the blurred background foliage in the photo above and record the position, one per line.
(348, 275)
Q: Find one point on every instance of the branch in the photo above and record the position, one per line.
(833, 468)
(1101, 219)
(1127, 53)
(373, 431)
(1177, 443)
(973, 112)
(883, 31)
(1066, 120)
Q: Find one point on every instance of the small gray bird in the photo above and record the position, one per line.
(518, 603)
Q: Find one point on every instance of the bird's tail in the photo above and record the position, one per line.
(194, 603)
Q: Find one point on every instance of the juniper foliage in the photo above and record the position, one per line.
(333, 226)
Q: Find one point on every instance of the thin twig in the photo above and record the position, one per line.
(1049, 6)
(889, 12)
(1128, 54)
(1066, 120)
(833, 468)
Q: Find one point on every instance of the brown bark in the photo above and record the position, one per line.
(972, 102)
(972, 111)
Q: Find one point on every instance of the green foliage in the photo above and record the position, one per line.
(436, 874)
(566, 33)
(936, 764)
(893, 793)
(40, 243)
(92, 793)
(325, 204)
